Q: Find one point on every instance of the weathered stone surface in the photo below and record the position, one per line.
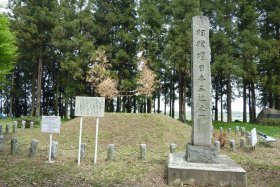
(268, 113)
(1, 143)
(232, 145)
(33, 148)
(14, 145)
(201, 82)
(203, 154)
(247, 133)
(15, 123)
(143, 152)
(201, 165)
(218, 145)
(249, 140)
(236, 130)
(7, 129)
(23, 124)
(54, 150)
(31, 125)
(229, 130)
(242, 142)
(223, 173)
(83, 151)
(172, 148)
(111, 152)
(243, 131)
(221, 130)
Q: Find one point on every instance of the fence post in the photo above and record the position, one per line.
(143, 151)
(33, 147)
(14, 145)
(111, 152)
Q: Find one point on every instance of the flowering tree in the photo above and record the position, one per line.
(99, 75)
(147, 81)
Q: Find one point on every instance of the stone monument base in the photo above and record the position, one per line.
(223, 173)
(202, 154)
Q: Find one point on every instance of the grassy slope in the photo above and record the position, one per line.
(126, 131)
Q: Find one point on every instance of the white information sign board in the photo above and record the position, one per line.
(89, 106)
(254, 138)
(50, 124)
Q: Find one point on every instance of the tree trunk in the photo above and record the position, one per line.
(158, 102)
(123, 103)
(222, 114)
(170, 102)
(250, 105)
(149, 104)
(33, 92)
(39, 85)
(118, 104)
(56, 99)
(244, 101)
(134, 104)
(173, 103)
(25, 99)
(253, 103)
(182, 97)
(216, 104)
(11, 94)
(229, 112)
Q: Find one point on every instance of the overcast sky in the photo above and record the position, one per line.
(3, 2)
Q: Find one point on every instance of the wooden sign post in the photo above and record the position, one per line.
(89, 106)
(50, 124)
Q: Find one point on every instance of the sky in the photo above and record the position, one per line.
(3, 3)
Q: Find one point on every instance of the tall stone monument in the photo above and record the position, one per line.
(201, 164)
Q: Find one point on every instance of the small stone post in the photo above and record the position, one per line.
(218, 145)
(23, 124)
(221, 130)
(172, 148)
(232, 145)
(83, 151)
(7, 129)
(14, 145)
(249, 140)
(54, 149)
(236, 130)
(242, 142)
(247, 133)
(111, 152)
(143, 151)
(212, 130)
(242, 131)
(15, 123)
(1, 142)
(229, 130)
(33, 147)
(31, 125)
(1, 127)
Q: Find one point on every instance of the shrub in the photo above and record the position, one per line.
(270, 121)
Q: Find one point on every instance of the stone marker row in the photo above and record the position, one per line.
(242, 130)
(32, 150)
(15, 123)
